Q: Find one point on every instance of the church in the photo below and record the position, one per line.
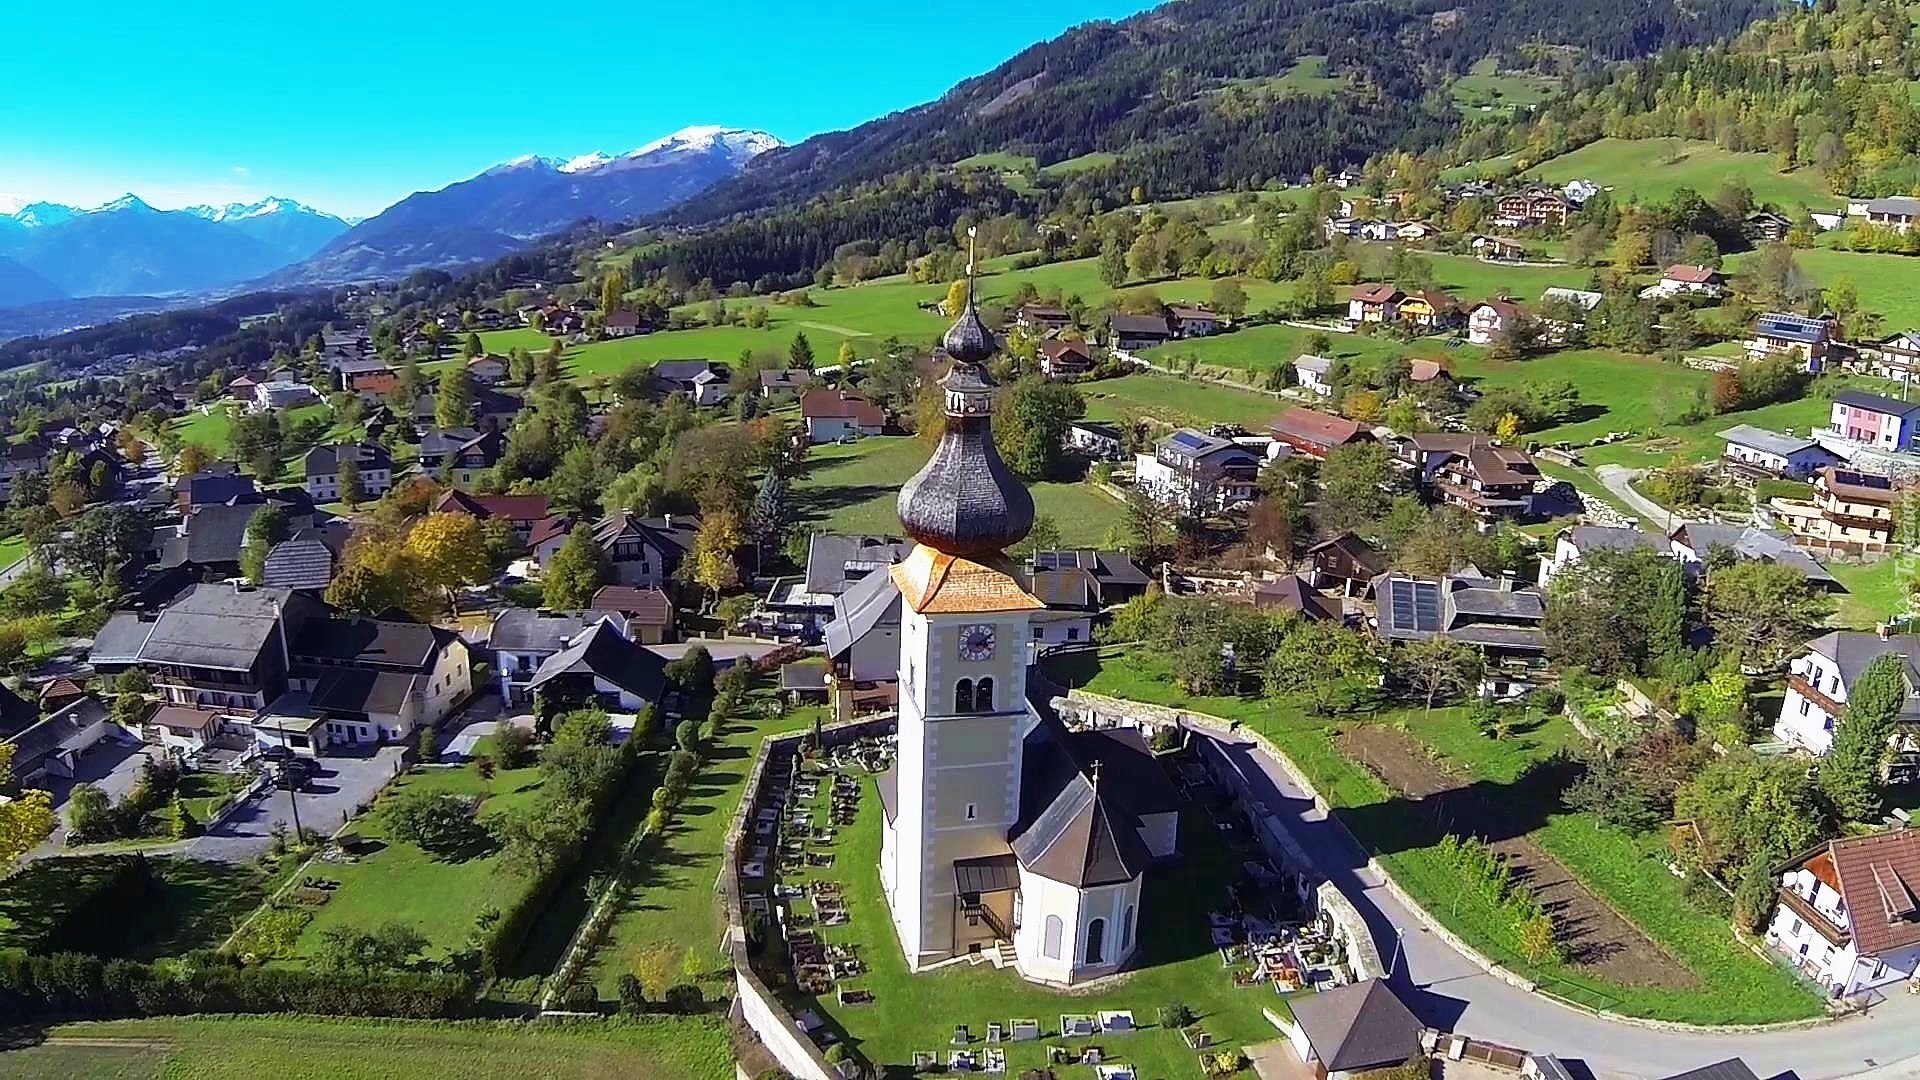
(1006, 833)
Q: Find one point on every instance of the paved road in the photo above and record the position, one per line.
(1448, 991)
(343, 784)
(1619, 480)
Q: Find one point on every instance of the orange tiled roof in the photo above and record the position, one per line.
(934, 583)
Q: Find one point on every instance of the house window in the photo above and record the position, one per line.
(1073, 633)
(1796, 928)
(1050, 937)
(1039, 633)
(1126, 930)
(1097, 941)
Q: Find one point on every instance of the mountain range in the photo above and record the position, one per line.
(52, 252)
(503, 208)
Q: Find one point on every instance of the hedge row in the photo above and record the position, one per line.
(75, 984)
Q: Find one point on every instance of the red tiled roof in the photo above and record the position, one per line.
(1056, 348)
(1880, 881)
(1691, 275)
(548, 528)
(1316, 427)
(1506, 309)
(841, 404)
(1424, 370)
(378, 382)
(647, 605)
(1374, 293)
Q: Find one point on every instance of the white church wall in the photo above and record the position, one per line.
(1040, 899)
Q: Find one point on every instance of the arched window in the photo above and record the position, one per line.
(983, 696)
(1097, 941)
(1126, 931)
(963, 696)
(1053, 931)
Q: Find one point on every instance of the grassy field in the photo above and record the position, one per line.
(440, 898)
(1651, 170)
(1485, 87)
(853, 488)
(1888, 284)
(196, 906)
(1307, 77)
(1875, 593)
(1189, 402)
(673, 921)
(1096, 160)
(242, 1048)
(1625, 871)
(918, 1012)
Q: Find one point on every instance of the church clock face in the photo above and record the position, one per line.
(976, 642)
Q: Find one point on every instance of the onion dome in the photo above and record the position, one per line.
(965, 501)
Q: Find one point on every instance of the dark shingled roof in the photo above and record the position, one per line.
(1359, 1026)
(300, 563)
(1730, 1069)
(1070, 832)
(16, 713)
(866, 604)
(216, 626)
(359, 690)
(372, 642)
(830, 557)
(527, 630)
(603, 653)
(213, 534)
(965, 501)
(41, 741)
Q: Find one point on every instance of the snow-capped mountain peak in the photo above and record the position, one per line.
(12, 204)
(738, 143)
(585, 162)
(125, 202)
(41, 214)
(272, 204)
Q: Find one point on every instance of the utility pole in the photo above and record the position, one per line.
(293, 794)
(1394, 964)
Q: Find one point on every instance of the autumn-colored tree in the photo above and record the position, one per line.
(453, 402)
(1726, 391)
(847, 355)
(956, 299)
(352, 492)
(24, 824)
(378, 574)
(446, 551)
(191, 459)
(1509, 428)
(577, 572)
(714, 549)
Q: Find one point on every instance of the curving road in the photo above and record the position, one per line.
(1619, 480)
(1450, 992)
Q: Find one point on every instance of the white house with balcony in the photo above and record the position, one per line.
(1849, 912)
(1818, 682)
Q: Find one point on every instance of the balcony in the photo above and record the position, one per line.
(1812, 693)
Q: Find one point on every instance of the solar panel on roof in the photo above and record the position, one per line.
(1189, 440)
(1426, 606)
(1402, 603)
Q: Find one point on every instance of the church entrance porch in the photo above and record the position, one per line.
(986, 902)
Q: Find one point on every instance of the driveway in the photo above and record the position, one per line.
(1448, 991)
(1619, 480)
(344, 783)
(112, 765)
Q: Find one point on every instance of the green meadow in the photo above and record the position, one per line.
(1651, 170)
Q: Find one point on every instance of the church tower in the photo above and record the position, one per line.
(963, 648)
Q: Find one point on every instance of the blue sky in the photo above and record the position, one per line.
(351, 105)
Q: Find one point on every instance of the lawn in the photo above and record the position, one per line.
(440, 898)
(918, 1012)
(1651, 170)
(853, 488)
(1189, 402)
(1876, 592)
(1888, 284)
(196, 906)
(244, 1047)
(672, 919)
(1484, 86)
(1307, 77)
(1625, 871)
(12, 550)
(203, 793)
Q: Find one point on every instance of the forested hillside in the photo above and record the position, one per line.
(1829, 87)
(1191, 95)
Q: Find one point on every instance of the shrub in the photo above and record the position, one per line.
(687, 736)
(514, 744)
(77, 985)
(581, 997)
(836, 1053)
(439, 823)
(1175, 1014)
(633, 996)
(483, 765)
(683, 998)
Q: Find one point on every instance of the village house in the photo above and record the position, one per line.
(370, 681)
(1765, 226)
(803, 604)
(1680, 279)
(1352, 1031)
(1496, 249)
(1894, 358)
(1776, 332)
(621, 324)
(462, 456)
(1063, 358)
(1532, 206)
(646, 615)
(1311, 373)
(521, 512)
(308, 559)
(1189, 321)
(52, 747)
(1820, 680)
(242, 386)
(1771, 452)
(1292, 593)
(1885, 422)
(282, 394)
(1374, 303)
(784, 381)
(645, 551)
(1849, 912)
(19, 460)
(522, 639)
(1198, 473)
(1573, 544)
(1099, 441)
(1130, 332)
(1430, 309)
(702, 382)
(323, 463)
(366, 377)
(1307, 431)
(1850, 511)
(1110, 577)
(1693, 542)
(1344, 562)
(1476, 473)
(1043, 319)
(1499, 616)
(1492, 318)
(833, 415)
(1897, 212)
(488, 370)
(602, 666)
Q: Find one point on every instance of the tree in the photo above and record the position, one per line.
(439, 823)
(1743, 806)
(1319, 661)
(613, 291)
(181, 823)
(800, 351)
(1762, 610)
(1357, 483)
(36, 592)
(1438, 667)
(1113, 263)
(352, 492)
(847, 356)
(470, 349)
(714, 548)
(1615, 612)
(1850, 775)
(447, 551)
(89, 815)
(693, 672)
(1149, 525)
(105, 539)
(191, 459)
(956, 299)
(578, 571)
(393, 946)
(1043, 536)
(268, 526)
(25, 823)
(1229, 297)
(453, 399)
(1033, 419)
